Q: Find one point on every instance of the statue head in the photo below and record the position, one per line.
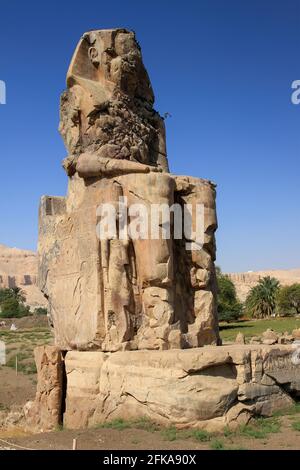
(107, 108)
(112, 59)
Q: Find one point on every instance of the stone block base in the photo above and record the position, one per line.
(210, 387)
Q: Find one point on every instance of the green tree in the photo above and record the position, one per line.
(40, 311)
(12, 303)
(261, 300)
(11, 308)
(229, 308)
(18, 294)
(288, 300)
(12, 293)
(5, 294)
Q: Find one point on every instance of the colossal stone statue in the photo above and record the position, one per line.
(132, 292)
(117, 289)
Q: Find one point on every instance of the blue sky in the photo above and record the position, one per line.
(222, 69)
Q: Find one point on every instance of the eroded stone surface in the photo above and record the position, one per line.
(122, 294)
(83, 371)
(208, 387)
(45, 413)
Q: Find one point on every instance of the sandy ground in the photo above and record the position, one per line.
(33, 321)
(15, 389)
(137, 439)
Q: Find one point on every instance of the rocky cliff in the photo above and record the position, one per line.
(245, 281)
(18, 268)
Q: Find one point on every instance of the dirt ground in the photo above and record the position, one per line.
(32, 321)
(137, 439)
(15, 389)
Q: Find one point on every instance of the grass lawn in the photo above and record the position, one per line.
(228, 331)
(21, 343)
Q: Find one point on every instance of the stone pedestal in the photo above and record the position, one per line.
(209, 388)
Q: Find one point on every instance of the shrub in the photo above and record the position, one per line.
(288, 300)
(40, 311)
(229, 308)
(12, 304)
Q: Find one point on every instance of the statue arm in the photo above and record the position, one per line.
(90, 165)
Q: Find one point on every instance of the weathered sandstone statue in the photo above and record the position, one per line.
(122, 293)
(113, 298)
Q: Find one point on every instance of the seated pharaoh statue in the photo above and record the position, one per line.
(133, 285)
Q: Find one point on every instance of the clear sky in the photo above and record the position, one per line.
(222, 69)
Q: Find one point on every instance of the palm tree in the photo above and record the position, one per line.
(261, 300)
(18, 294)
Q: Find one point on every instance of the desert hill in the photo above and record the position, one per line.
(245, 281)
(19, 268)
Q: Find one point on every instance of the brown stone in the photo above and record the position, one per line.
(270, 334)
(296, 333)
(83, 378)
(210, 387)
(240, 338)
(45, 413)
(269, 341)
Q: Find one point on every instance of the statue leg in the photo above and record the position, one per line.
(116, 281)
(154, 261)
